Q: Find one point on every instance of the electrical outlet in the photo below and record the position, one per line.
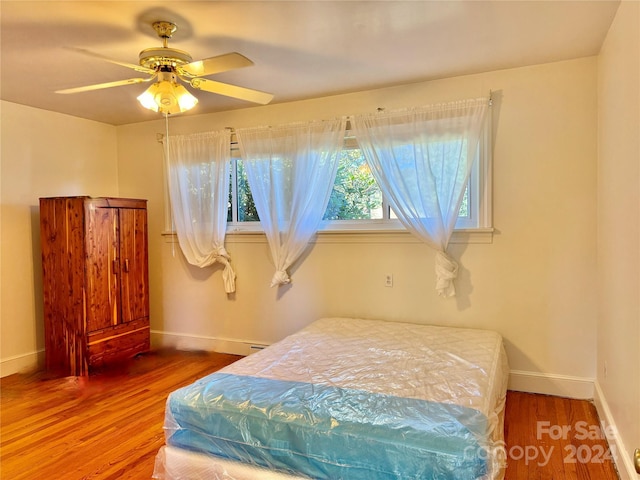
(388, 280)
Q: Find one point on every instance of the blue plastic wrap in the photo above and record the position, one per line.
(326, 431)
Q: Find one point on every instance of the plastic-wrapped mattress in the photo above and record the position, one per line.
(346, 399)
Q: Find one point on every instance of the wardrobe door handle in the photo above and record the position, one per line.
(126, 265)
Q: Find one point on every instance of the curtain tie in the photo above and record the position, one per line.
(228, 275)
(446, 272)
(280, 278)
(221, 252)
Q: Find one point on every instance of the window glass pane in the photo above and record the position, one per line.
(231, 190)
(355, 194)
(464, 206)
(246, 208)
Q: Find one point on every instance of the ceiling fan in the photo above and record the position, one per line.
(168, 66)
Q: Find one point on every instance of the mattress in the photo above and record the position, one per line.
(347, 399)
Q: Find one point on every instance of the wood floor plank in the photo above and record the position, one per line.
(109, 426)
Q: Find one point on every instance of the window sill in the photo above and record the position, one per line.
(379, 234)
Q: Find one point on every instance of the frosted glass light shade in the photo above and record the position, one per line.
(167, 97)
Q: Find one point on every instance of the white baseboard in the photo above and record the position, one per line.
(551, 384)
(35, 360)
(182, 341)
(533, 382)
(622, 456)
(22, 363)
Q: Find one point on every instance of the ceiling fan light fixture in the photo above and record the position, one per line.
(147, 98)
(167, 96)
(186, 101)
(166, 66)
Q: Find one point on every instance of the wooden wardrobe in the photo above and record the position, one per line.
(95, 281)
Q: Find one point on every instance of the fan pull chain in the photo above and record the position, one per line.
(168, 173)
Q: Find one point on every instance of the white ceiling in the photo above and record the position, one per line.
(301, 49)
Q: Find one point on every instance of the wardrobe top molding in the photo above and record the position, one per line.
(108, 202)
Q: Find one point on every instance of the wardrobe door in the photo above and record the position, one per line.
(63, 284)
(103, 289)
(134, 276)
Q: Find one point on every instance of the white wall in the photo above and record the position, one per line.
(535, 283)
(619, 231)
(43, 154)
(538, 283)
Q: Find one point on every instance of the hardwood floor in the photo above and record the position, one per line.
(109, 426)
(554, 438)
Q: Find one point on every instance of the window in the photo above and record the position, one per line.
(241, 206)
(356, 202)
(355, 195)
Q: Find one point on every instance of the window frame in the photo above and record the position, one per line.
(480, 211)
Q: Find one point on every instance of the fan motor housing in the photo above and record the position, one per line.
(163, 56)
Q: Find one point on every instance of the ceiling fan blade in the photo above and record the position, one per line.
(209, 66)
(234, 91)
(99, 86)
(133, 66)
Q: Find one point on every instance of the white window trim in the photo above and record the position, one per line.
(384, 234)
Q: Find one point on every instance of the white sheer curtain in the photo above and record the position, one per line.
(291, 170)
(421, 159)
(198, 167)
